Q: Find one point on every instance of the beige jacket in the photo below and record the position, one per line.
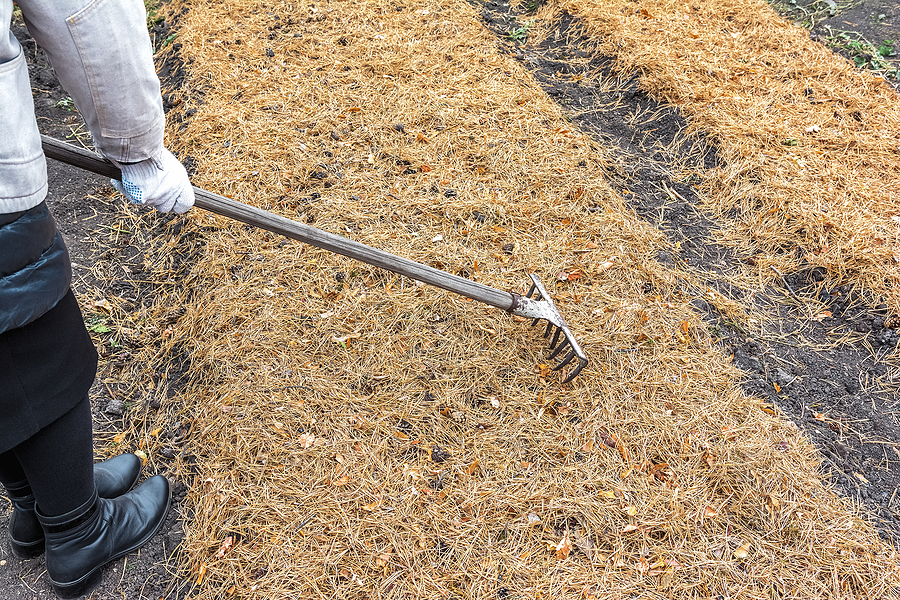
(101, 52)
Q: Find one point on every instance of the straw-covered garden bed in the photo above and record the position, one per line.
(360, 436)
(808, 143)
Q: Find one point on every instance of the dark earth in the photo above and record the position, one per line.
(867, 32)
(840, 389)
(108, 260)
(833, 375)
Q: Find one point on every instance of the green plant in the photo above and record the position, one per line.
(66, 103)
(863, 52)
(97, 324)
(153, 16)
(520, 33)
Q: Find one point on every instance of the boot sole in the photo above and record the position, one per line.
(93, 578)
(26, 551)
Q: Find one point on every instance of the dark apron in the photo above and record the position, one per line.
(46, 368)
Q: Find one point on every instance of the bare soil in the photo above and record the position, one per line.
(830, 376)
(108, 260)
(837, 387)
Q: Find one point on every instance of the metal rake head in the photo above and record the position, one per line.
(537, 305)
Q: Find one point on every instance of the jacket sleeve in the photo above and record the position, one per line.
(23, 170)
(102, 55)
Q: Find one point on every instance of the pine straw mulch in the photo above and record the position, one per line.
(360, 436)
(808, 143)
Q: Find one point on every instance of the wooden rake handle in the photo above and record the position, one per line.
(226, 207)
(536, 304)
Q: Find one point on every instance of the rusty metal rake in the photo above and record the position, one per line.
(536, 304)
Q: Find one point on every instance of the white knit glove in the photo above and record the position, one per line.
(162, 184)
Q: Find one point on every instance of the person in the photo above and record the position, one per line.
(83, 515)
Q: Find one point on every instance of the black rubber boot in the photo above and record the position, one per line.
(112, 478)
(26, 538)
(117, 475)
(80, 542)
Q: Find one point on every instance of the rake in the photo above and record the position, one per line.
(536, 304)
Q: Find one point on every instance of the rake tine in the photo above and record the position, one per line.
(549, 328)
(535, 322)
(555, 338)
(531, 291)
(565, 361)
(558, 350)
(582, 363)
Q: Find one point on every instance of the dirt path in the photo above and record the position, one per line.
(107, 260)
(828, 375)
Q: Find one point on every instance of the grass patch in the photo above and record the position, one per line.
(864, 53)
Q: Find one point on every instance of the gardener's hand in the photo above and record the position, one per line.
(161, 183)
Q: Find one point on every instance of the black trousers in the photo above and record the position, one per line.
(46, 435)
(57, 462)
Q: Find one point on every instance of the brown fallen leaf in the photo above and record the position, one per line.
(225, 546)
(103, 304)
(382, 559)
(564, 547)
(606, 438)
(607, 264)
(346, 338)
(623, 451)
